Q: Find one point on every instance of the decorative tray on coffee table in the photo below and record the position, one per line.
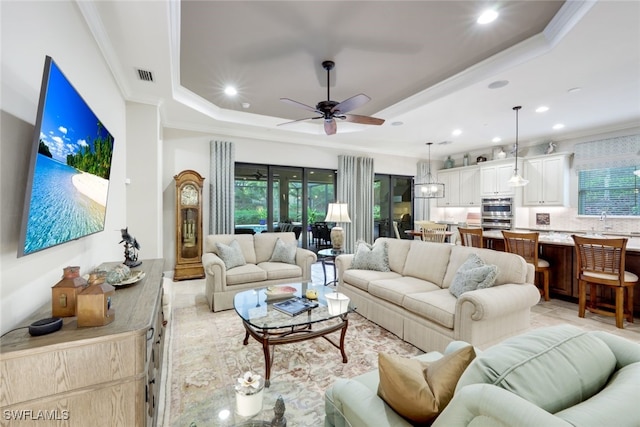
(276, 293)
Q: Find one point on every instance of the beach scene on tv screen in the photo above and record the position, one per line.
(71, 174)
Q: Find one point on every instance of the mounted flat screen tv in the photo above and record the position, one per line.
(69, 170)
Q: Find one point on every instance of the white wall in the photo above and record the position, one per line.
(29, 31)
(144, 171)
(189, 150)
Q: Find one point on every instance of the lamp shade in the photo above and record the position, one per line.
(429, 190)
(337, 212)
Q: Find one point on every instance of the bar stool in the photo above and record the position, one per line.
(471, 237)
(526, 245)
(601, 262)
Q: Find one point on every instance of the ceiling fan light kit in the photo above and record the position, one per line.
(330, 110)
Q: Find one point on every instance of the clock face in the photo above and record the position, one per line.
(189, 196)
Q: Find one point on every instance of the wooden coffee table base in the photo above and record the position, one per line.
(271, 337)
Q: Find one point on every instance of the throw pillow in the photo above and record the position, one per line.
(417, 390)
(283, 252)
(368, 257)
(473, 274)
(231, 254)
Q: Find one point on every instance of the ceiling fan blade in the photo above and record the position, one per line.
(299, 120)
(299, 104)
(330, 127)
(365, 120)
(351, 103)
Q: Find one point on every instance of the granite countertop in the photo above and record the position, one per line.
(564, 237)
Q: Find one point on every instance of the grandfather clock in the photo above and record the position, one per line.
(188, 226)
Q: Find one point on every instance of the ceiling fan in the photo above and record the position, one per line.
(330, 110)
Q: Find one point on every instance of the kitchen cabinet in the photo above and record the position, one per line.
(451, 181)
(562, 280)
(548, 180)
(470, 186)
(494, 179)
(461, 187)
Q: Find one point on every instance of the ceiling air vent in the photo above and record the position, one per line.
(145, 75)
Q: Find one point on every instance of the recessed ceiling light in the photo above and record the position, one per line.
(230, 90)
(498, 84)
(397, 123)
(487, 16)
(496, 139)
(456, 132)
(558, 126)
(542, 109)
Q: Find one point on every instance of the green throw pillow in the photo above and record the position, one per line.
(231, 254)
(473, 274)
(283, 252)
(368, 257)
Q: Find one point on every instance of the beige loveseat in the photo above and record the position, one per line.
(222, 283)
(413, 301)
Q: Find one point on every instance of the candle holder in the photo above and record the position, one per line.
(249, 391)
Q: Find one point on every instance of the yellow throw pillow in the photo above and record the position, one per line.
(417, 390)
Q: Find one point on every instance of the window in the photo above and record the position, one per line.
(267, 196)
(615, 191)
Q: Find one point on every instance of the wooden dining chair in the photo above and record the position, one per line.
(471, 237)
(526, 245)
(601, 262)
(434, 232)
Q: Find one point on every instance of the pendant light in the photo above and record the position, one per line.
(431, 189)
(516, 180)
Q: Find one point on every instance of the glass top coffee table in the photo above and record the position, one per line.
(271, 327)
(219, 410)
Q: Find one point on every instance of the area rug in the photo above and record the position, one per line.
(206, 353)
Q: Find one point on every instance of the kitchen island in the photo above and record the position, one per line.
(558, 248)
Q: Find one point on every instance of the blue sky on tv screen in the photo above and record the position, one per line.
(68, 124)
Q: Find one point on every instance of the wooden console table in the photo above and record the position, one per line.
(101, 376)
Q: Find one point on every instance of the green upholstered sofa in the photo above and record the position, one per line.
(555, 376)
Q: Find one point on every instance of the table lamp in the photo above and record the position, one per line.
(337, 212)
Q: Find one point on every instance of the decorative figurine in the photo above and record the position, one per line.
(551, 148)
(279, 420)
(131, 247)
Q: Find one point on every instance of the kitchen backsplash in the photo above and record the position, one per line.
(560, 218)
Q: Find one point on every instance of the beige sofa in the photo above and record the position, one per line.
(413, 301)
(222, 284)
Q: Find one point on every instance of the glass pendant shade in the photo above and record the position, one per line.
(516, 180)
(430, 189)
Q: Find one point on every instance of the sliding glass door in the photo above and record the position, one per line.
(393, 206)
(269, 196)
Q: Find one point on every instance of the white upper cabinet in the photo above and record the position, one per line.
(494, 179)
(451, 181)
(461, 187)
(470, 186)
(548, 180)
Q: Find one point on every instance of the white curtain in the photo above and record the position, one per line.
(422, 206)
(355, 187)
(222, 194)
(616, 152)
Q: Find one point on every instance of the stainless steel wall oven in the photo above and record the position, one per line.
(497, 213)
